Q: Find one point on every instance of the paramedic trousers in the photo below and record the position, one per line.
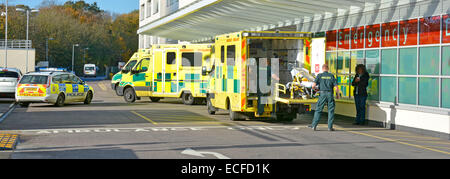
(326, 97)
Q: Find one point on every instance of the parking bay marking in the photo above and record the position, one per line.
(152, 129)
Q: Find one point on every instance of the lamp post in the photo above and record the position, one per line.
(6, 34)
(28, 12)
(46, 49)
(84, 55)
(73, 56)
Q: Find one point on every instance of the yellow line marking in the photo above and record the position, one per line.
(102, 86)
(143, 117)
(397, 141)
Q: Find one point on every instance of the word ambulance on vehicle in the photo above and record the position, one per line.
(260, 74)
(168, 71)
(58, 88)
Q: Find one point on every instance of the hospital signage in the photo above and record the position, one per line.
(423, 31)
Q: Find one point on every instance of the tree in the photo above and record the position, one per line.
(76, 23)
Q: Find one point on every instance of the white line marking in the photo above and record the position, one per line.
(192, 152)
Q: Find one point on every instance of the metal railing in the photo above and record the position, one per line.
(16, 44)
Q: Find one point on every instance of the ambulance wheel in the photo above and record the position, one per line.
(60, 100)
(129, 95)
(89, 97)
(211, 108)
(233, 115)
(188, 99)
(117, 90)
(24, 105)
(155, 100)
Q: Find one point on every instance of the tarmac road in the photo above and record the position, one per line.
(109, 128)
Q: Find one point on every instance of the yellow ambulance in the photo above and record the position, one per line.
(126, 70)
(168, 71)
(242, 76)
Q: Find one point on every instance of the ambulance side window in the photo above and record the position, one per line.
(171, 58)
(143, 65)
(191, 59)
(231, 55)
(222, 54)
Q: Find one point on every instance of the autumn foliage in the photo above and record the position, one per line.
(109, 37)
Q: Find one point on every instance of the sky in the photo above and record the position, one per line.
(116, 6)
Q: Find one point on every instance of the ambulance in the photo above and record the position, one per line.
(253, 74)
(126, 70)
(57, 88)
(168, 71)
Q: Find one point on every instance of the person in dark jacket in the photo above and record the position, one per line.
(360, 83)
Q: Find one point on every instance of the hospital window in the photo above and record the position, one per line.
(407, 90)
(429, 92)
(408, 61)
(445, 93)
(388, 89)
(149, 8)
(446, 61)
(429, 61)
(155, 6)
(373, 61)
(389, 61)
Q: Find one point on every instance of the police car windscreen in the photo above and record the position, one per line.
(8, 74)
(34, 79)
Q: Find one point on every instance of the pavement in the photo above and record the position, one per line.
(109, 128)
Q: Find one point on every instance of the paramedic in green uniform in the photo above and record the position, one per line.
(326, 82)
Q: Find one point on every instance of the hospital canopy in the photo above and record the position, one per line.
(208, 18)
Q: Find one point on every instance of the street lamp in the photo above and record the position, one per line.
(28, 12)
(6, 33)
(73, 56)
(46, 49)
(84, 55)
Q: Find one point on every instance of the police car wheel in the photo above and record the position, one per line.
(60, 100)
(188, 99)
(129, 95)
(89, 97)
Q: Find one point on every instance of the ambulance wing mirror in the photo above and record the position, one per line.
(204, 71)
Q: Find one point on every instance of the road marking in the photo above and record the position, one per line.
(151, 129)
(396, 141)
(102, 86)
(192, 152)
(143, 117)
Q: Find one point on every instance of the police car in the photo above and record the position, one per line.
(57, 88)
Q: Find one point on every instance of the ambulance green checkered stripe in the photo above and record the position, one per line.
(139, 77)
(192, 76)
(117, 77)
(167, 75)
(230, 72)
